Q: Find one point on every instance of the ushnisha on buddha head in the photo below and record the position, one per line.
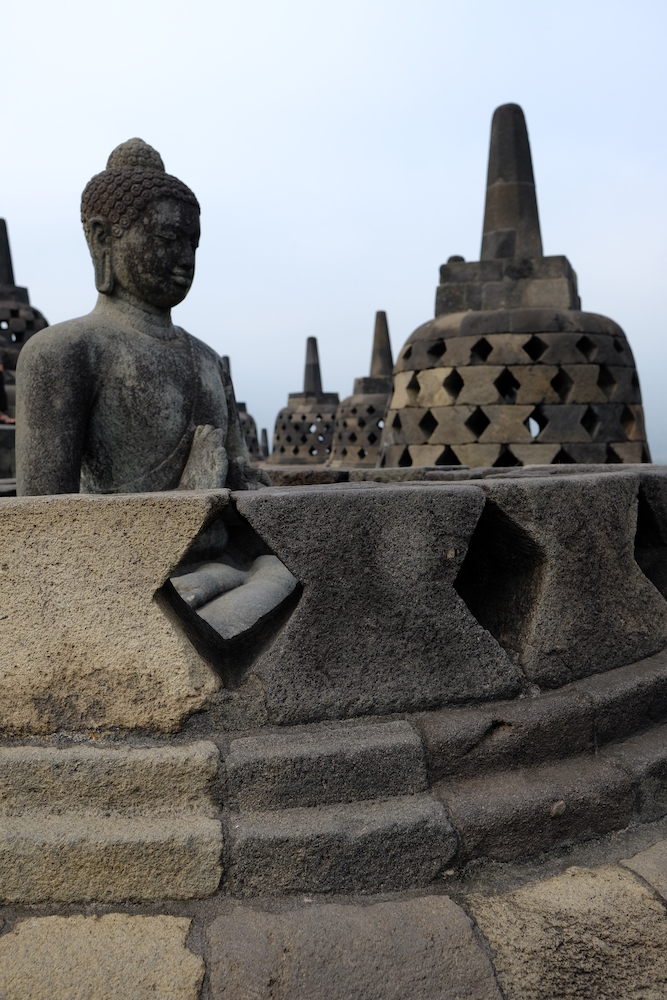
(142, 228)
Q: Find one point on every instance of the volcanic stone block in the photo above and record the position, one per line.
(644, 758)
(452, 427)
(506, 423)
(630, 452)
(535, 454)
(324, 764)
(505, 816)
(479, 384)
(551, 573)
(421, 949)
(113, 957)
(534, 383)
(401, 843)
(406, 390)
(86, 640)
(400, 640)
(586, 454)
(432, 391)
(629, 699)
(427, 454)
(477, 454)
(588, 933)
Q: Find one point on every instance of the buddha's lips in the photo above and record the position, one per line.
(182, 279)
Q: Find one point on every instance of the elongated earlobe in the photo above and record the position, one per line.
(100, 251)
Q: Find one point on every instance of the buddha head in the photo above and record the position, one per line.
(142, 228)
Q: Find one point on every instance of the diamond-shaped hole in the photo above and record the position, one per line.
(361, 422)
(507, 385)
(312, 428)
(613, 458)
(404, 461)
(480, 351)
(563, 458)
(448, 457)
(477, 422)
(437, 349)
(618, 346)
(353, 437)
(628, 421)
(535, 348)
(407, 352)
(536, 422)
(507, 459)
(413, 386)
(396, 423)
(312, 451)
(590, 421)
(370, 409)
(372, 438)
(362, 453)
(606, 381)
(587, 347)
(453, 384)
(381, 424)
(562, 385)
(428, 423)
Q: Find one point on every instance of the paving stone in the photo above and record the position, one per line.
(403, 640)
(113, 957)
(588, 933)
(325, 764)
(651, 865)
(421, 949)
(551, 572)
(86, 643)
(504, 816)
(355, 847)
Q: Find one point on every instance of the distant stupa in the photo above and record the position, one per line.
(510, 371)
(360, 417)
(304, 428)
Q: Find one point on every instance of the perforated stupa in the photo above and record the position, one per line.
(304, 428)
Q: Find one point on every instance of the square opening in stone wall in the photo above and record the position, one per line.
(453, 384)
(507, 386)
(480, 351)
(628, 421)
(587, 347)
(477, 422)
(590, 421)
(606, 381)
(562, 384)
(428, 423)
(535, 348)
(437, 349)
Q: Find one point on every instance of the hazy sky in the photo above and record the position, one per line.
(338, 150)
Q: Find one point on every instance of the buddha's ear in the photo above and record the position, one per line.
(100, 250)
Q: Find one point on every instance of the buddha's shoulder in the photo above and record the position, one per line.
(74, 337)
(201, 349)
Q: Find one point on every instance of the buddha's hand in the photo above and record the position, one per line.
(206, 467)
(241, 475)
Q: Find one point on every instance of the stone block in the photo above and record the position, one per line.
(105, 824)
(535, 453)
(506, 423)
(629, 452)
(552, 574)
(474, 455)
(504, 816)
(406, 390)
(452, 427)
(426, 454)
(586, 453)
(588, 933)
(644, 758)
(87, 640)
(113, 957)
(468, 742)
(535, 383)
(651, 866)
(404, 640)
(421, 949)
(325, 764)
(479, 384)
(401, 843)
(563, 424)
(627, 700)
(541, 293)
(432, 391)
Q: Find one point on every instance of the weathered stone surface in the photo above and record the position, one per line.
(417, 949)
(325, 764)
(505, 816)
(629, 699)
(108, 824)
(267, 585)
(355, 847)
(114, 957)
(551, 573)
(644, 758)
(587, 933)
(651, 865)
(85, 641)
(379, 627)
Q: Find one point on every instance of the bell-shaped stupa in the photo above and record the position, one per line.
(511, 371)
(360, 417)
(304, 428)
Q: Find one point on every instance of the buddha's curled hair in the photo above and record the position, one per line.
(134, 176)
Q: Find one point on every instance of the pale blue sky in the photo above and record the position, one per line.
(338, 149)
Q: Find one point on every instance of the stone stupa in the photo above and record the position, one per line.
(511, 371)
(304, 428)
(360, 417)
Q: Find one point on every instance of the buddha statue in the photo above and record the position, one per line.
(122, 400)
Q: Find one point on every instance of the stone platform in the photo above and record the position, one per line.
(440, 771)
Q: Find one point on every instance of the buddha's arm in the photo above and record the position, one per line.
(241, 475)
(54, 393)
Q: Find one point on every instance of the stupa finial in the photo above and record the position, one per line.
(511, 222)
(6, 269)
(381, 360)
(312, 380)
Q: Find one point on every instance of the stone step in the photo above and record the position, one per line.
(577, 719)
(324, 764)
(353, 847)
(504, 816)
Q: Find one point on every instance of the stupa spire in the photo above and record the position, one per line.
(312, 380)
(6, 269)
(381, 359)
(511, 222)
